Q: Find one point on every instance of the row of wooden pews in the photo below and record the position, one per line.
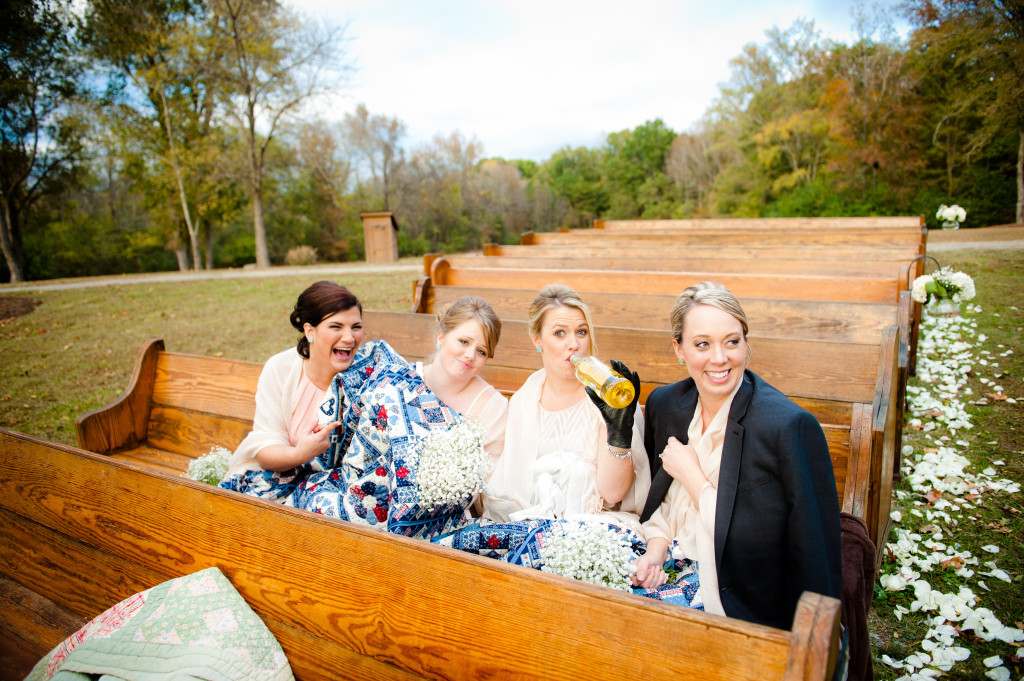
(810, 286)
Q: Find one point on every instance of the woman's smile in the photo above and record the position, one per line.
(714, 350)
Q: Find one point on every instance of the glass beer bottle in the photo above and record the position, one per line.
(611, 387)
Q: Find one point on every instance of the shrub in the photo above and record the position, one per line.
(301, 255)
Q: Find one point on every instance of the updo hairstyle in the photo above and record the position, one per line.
(705, 293)
(477, 309)
(559, 295)
(317, 303)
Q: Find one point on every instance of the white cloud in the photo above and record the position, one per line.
(527, 77)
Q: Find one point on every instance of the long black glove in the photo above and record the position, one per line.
(619, 421)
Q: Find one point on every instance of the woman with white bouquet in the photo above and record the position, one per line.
(377, 415)
(573, 467)
(416, 441)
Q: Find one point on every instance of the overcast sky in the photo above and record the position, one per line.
(527, 77)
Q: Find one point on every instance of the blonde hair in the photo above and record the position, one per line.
(477, 309)
(705, 293)
(559, 295)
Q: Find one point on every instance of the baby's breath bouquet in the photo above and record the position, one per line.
(588, 552)
(452, 464)
(209, 468)
(944, 284)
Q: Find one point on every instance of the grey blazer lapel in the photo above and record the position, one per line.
(729, 470)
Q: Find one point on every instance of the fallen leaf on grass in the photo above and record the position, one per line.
(998, 397)
(998, 528)
(932, 496)
(931, 450)
(956, 562)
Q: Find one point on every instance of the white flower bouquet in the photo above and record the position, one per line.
(588, 552)
(951, 216)
(452, 464)
(209, 468)
(945, 283)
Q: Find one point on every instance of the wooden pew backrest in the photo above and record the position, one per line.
(794, 287)
(78, 542)
(788, 224)
(560, 257)
(826, 320)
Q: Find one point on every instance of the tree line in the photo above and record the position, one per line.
(165, 134)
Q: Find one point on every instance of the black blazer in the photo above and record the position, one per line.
(777, 519)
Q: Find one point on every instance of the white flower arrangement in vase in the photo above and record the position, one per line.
(588, 552)
(452, 464)
(948, 288)
(951, 216)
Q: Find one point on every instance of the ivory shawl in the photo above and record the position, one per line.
(522, 485)
(275, 392)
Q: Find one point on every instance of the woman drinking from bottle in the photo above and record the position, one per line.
(568, 454)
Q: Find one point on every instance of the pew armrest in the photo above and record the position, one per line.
(124, 422)
(814, 648)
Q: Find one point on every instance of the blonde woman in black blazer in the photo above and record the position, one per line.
(759, 500)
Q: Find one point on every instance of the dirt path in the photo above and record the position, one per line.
(999, 237)
(336, 269)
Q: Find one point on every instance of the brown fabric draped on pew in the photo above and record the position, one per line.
(858, 553)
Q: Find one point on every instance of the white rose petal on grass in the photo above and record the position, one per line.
(998, 674)
(893, 582)
(991, 548)
(994, 661)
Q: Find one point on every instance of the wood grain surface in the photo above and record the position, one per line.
(345, 600)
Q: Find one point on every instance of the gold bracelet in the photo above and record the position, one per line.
(620, 455)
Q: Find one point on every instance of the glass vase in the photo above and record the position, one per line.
(950, 224)
(944, 307)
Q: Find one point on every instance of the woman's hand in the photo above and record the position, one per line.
(619, 422)
(315, 442)
(286, 457)
(650, 573)
(678, 458)
(682, 463)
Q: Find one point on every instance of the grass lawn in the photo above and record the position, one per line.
(953, 524)
(75, 350)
